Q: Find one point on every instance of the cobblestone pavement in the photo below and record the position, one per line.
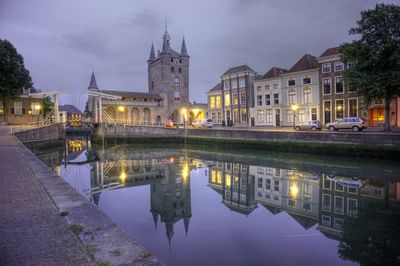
(32, 232)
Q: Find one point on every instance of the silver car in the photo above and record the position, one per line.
(353, 123)
(313, 125)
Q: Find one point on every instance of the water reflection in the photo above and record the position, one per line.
(360, 214)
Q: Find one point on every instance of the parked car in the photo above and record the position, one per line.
(309, 125)
(169, 123)
(203, 123)
(353, 123)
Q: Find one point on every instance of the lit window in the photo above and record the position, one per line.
(339, 109)
(212, 102)
(218, 101)
(227, 99)
(18, 108)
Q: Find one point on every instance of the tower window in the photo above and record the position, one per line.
(172, 60)
(180, 61)
(172, 69)
(176, 81)
(180, 70)
(177, 96)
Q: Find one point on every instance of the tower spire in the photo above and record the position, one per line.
(166, 39)
(152, 54)
(183, 49)
(93, 83)
(166, 25)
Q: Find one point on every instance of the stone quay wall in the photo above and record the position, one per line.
(53, 132)
(366, 138)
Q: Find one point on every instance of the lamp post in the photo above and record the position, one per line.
(294, 108)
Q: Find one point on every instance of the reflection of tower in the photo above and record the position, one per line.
(171, 199)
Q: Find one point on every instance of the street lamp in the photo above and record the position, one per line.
(184, 114)
(294, 108)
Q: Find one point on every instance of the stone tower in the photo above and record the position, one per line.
(168, 72)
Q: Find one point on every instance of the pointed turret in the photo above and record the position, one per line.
(152, 54)
(183, 49)
(186, 221)
(93, 83)
(166, 39)
(155, 218)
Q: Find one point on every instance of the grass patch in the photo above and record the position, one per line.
(90, 250)
(76, 228)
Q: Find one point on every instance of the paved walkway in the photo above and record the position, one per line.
(31, 230)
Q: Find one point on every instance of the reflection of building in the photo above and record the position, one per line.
(297, 193)
(171, 198)
(340, 198)
(69, 113)
(233, 182)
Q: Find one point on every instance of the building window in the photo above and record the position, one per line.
(172, 69)
(242, 98)
(259, 100)
(267, 99)
(260, 116)
(180, 70)
(338, 223)
(292, 97)
(314, 114)
(213, 117)
(352, 190)
(226, 85)
(269, 171)
(326, 85)
(227, 99)
(268, 184)
(352, 205)
(241, 83)
(235, 98)
(338, 84)
(326, 202)
(302, 116)
(260, 182)
(266, 87)
(353, 107)
(212, 102)
(177, 96)
(35, 108)
(276, 98)
(218, 101)
(235, 115)
(275, 86)
(234, 84)
(291, 82)
(306, 81)
(276, 185)
(243, 113)
(326, 220)
(291, 203)
(259, 194)
(307, 206)
(339, 109)
(176, 81)
(269, 116)
(259, 88)
(289, 116)
(326, 67)
(339, 205)
(219, 118)
(327, 183)
(327, 112)
(18, 108)
(338, 66)
(306, 95)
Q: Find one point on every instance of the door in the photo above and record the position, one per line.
(228, 117)
(277, 117)
(252, 121)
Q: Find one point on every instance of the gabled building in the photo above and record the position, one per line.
(214, 107)
(337, 99)
(236, 92)
(300, 89)
(24, 109)
(267, 99)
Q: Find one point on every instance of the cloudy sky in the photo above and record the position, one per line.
(63, 40)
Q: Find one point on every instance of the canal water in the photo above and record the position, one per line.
(196, 207)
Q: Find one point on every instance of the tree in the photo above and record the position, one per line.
(13, 75)
(376, 56)
(48, 105)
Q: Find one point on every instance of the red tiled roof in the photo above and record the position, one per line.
(331, 51)
(306, 62)
(274, 73)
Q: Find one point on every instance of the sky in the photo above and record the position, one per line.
(63, 41)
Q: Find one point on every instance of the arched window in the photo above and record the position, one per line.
(176, 81)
